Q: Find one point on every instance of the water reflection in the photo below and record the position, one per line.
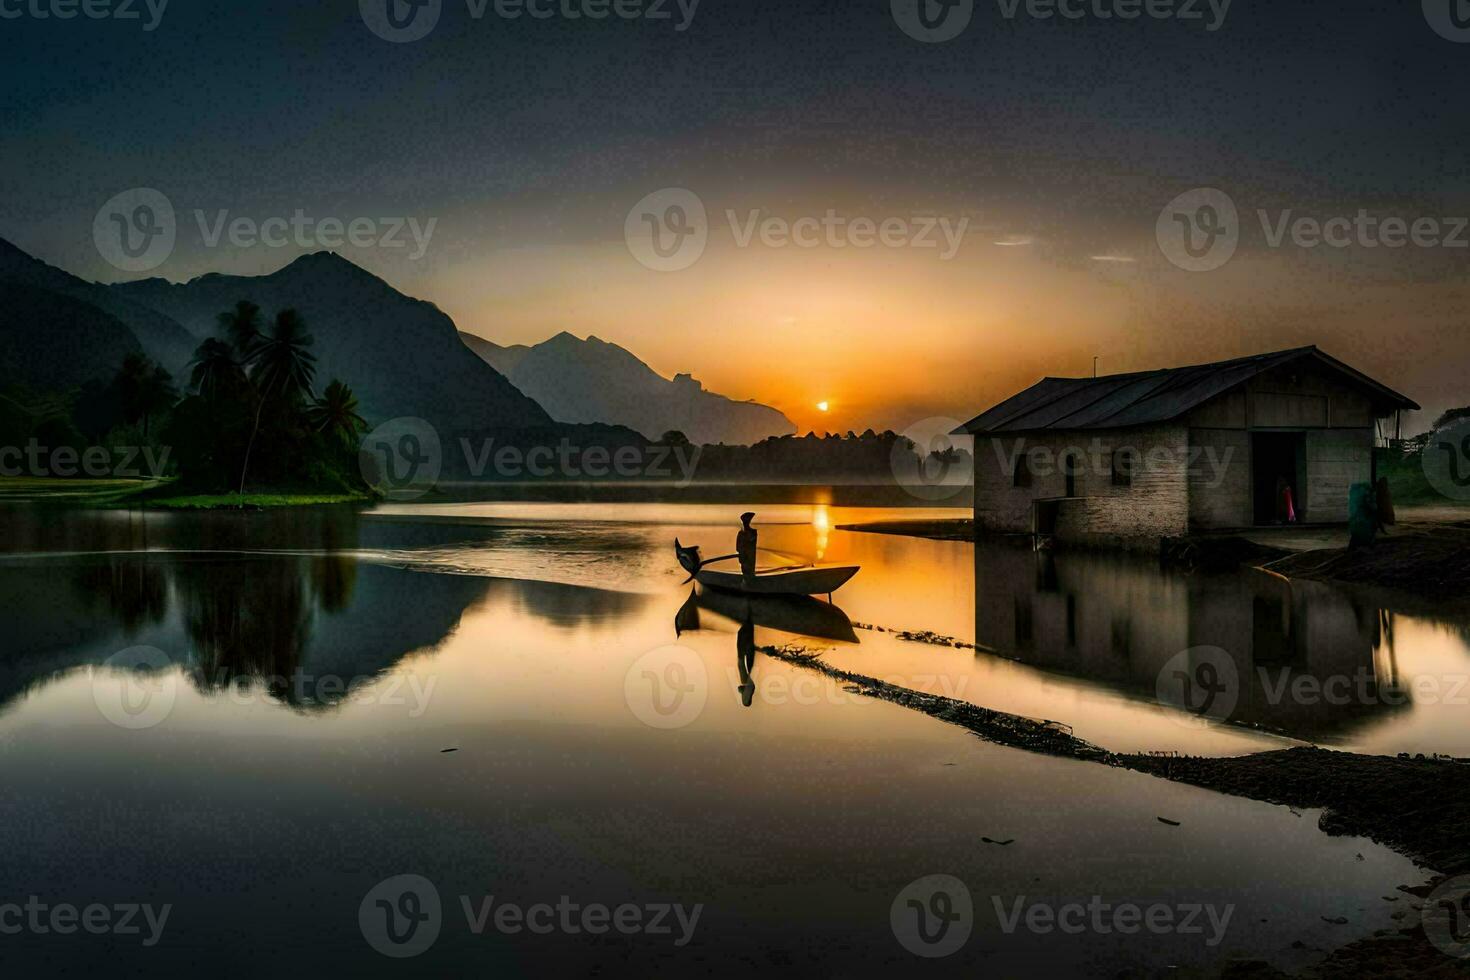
(800, 615)
(1303, 658)
(284, 604)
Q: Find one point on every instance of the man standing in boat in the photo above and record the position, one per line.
(745, 547)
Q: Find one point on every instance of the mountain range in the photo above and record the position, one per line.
(592, 380)
(401, 356)
(113, 325)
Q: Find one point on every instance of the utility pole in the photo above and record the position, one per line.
(1094, 365)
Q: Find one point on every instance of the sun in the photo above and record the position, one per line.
(823, 406)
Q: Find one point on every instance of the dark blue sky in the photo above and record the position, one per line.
(232, 100)
(542, 133)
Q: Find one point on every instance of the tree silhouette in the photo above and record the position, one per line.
(281, 369)
(216, 370)
(334, 414)
(143, 388)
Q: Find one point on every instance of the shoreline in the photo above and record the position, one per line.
(1420, 561)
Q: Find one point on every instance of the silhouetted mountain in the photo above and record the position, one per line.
(503, 359)
(160, 337)
(51, 342)
(594, 381)
(402, 356)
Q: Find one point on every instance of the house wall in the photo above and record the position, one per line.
(1155, 505)
(1336, 417)
(1220, 481)
(1336, 459)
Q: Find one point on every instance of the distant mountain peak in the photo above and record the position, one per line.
(594, 380)
(325, 264)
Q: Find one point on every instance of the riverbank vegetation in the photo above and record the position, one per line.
(249, 428)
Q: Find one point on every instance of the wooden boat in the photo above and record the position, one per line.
(793, 580)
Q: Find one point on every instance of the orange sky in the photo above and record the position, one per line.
(895, 336)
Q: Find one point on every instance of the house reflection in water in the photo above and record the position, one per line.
(1307, 660)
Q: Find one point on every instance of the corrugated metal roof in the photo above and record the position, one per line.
(1121, 400)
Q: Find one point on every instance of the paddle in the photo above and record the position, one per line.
(689, 558)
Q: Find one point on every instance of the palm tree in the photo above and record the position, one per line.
(241, 328)
(156, 394)
(216, 369)
(282, 368)
(335, 414)
(143, 388)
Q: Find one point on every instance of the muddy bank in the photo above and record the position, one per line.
(962, 529)
(1429, 561)
(1049, 737)
(1419, 807)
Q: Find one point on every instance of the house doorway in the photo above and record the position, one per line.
(1279, 466)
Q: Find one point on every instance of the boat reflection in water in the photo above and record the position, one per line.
(1301, 658)
(801, 615)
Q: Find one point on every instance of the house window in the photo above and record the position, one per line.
(1021, 471)
(1123, 467)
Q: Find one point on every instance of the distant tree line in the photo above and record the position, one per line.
(813, 458)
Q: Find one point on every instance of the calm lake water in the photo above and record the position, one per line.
(245, 717)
